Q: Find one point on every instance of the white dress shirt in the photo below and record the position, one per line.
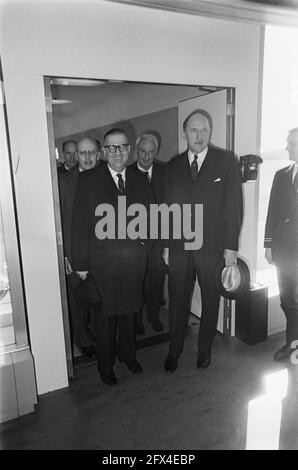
(115, 177)
(149, 172)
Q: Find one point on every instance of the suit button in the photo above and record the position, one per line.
(287, 221)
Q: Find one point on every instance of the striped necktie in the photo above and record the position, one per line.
(194, 168)
(120, 183)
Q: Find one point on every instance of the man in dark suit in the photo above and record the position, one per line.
(87, 155)
(147, 146)
(116, 262)
(209, 176)
(281, 242)
(69, 150)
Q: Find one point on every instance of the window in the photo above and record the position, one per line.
(279, 115)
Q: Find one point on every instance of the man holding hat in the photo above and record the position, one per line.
(209, 176)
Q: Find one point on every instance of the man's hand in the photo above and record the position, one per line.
(166, 256)
(230, 257)
(268, 255)
(82, 274)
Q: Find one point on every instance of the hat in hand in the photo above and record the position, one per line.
(86, 294)
(232, 282)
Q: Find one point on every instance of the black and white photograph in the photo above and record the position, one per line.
(148, 227)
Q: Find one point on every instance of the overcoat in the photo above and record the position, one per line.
(117, 266)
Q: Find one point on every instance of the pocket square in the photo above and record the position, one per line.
(217, 179)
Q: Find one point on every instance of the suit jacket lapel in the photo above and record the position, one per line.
(185, 173)
(287, 199)
(292, 181)
(291, 191)
(206, 171)
(110, 183)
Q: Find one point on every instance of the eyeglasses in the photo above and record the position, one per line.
(113, 148)
(84, 153)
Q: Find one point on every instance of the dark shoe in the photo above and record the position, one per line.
(133, 365)
(107, 376)
(88, 351)
(171, 363)
(140, 329)
(283, 354)
(157, 325)
(203, 360)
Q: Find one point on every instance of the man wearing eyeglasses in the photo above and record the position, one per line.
(87, 156)
(147, 146)
(116, 263)
(88, 153)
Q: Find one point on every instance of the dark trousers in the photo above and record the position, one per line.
(107, 345)
(184, 267)
(154, 283)
(81, 334)
(287, 274)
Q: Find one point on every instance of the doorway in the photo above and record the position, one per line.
(82, 107)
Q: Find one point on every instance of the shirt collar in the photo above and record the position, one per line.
(201, 155)
(115, 173)
(145, 171)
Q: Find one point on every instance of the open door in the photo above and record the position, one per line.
(59, 238)
(220, 105)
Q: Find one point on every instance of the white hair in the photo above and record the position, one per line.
(148, 136)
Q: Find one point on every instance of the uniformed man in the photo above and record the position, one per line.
(281, 242)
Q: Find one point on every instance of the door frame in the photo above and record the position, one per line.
(230, 142)
(58, 225)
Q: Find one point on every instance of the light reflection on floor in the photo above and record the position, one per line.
(265, 412)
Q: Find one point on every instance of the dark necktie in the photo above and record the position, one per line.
(120, 183)
(147, 174)
(194, 167)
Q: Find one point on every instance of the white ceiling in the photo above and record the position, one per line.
(112, 102)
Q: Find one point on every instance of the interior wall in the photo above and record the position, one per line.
(163, 122)
(105, 40)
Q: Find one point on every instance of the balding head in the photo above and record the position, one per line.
(197, 130)
(88, 153)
